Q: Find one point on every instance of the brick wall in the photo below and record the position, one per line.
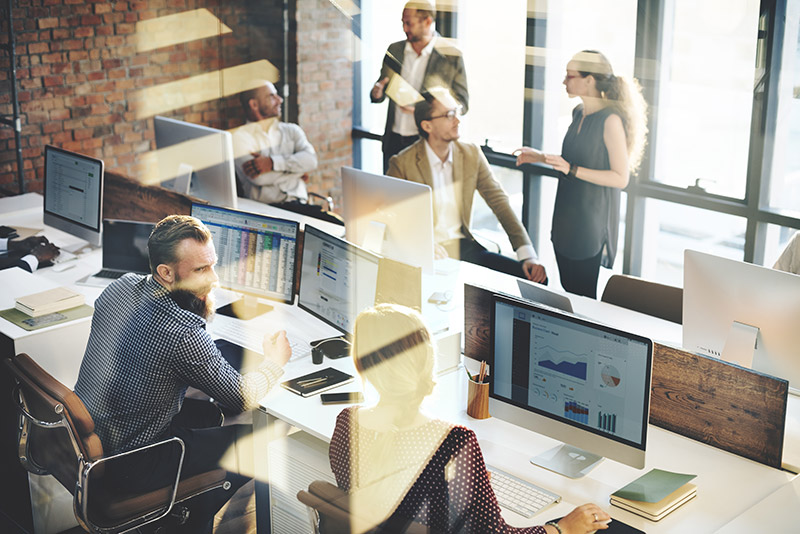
(325, 87)
(85, 84)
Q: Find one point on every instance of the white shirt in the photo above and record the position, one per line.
(30, 259)
(445, 204)
(413, 72)
(292, 156)
(448, 208)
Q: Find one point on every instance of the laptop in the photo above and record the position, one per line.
(538, 293)
(124, 251)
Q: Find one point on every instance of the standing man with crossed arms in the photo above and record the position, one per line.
(423, 60)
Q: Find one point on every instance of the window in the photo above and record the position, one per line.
(706, 94)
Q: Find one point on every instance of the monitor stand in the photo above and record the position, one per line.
(374, 236)
(245, 308)
(567, 460)
(741, 344)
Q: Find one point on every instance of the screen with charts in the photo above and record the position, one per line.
(73, 187)
(572, 370)
(337, 279)
(255, 253)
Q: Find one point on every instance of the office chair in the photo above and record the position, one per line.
(57, 437)
(329, 513)
(644, 296)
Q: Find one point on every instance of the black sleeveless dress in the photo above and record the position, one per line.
(586, 216)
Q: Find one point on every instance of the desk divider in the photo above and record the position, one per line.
(127, 199)
(714, 402)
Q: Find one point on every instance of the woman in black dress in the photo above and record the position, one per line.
(603, 145)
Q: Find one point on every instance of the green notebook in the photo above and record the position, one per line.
(653, 486)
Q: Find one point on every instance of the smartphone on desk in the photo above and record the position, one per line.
(350, 397)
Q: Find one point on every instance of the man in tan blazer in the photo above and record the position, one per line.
(455, 170)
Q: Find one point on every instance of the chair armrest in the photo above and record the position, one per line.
(83, 482)
(327, 199)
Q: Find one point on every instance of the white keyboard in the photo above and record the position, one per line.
(63, 257)
(251, 338)
(520, 496)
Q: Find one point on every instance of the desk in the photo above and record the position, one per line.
(775, 513)
(727, 484)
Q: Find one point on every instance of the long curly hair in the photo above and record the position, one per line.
(621, 93)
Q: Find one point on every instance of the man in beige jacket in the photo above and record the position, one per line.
(454, 171)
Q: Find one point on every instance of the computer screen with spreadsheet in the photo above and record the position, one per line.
(255, 253)
(73, 193)
(577, 381)
(337, 279)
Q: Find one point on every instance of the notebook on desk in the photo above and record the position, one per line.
(124, 251)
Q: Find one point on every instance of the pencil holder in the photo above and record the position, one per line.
(478, 400)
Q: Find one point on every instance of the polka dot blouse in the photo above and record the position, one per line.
(452, 493)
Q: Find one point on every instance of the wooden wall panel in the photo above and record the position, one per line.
(127, 199)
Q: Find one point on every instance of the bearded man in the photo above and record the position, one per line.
(148, 343)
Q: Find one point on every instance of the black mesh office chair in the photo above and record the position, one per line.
(57, 437)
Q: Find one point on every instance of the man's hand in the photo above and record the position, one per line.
(28, 244)
(276, 348)
(258, 165)
(377, 89)
(534, 271)
(45, 252)
(439, 252)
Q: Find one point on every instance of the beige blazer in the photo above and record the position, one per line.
(471, 172)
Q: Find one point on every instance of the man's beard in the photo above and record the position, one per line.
(192, 302)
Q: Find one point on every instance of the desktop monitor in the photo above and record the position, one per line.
(255, 256)
(73, 193)
(389, 216)
(206, 154)
(574, 380)
(337, 279)
(742, 313)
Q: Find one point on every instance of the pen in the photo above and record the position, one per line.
(312, 381)
(483, 372)
(468, 375)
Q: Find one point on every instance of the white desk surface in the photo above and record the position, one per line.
(727, 484)
(775, 513)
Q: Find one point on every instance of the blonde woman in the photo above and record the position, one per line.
(603, 145)
(398, 463)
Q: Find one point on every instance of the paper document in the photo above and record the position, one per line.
(402, 92)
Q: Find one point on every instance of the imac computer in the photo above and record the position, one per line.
(742, 313)
(389, 216)
(573, 380)
(73, 193)
(203, 154)
(255, 256)
(337, 279)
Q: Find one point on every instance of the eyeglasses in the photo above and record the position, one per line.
(451, 114)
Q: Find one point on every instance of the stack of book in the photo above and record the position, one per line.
(655, 494)
(50, 301)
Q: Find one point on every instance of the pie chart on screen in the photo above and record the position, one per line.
(610, 376)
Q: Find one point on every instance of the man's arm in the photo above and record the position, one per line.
(295, 156)
(301, 159)
(459, 86)
(497, 199)
(200, 364)
(448, 67)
